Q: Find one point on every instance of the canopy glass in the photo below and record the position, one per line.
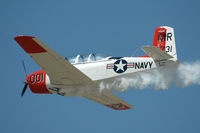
(87, 58)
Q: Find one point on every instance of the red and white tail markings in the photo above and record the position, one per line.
(29, 45)
(160, 38)
(165, 40)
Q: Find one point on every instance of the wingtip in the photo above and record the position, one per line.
(28, 44)
(120, 106)
(22, 36)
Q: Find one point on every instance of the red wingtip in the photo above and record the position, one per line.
(29, 45)
(119, 106)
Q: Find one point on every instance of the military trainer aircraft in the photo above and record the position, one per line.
(61, 75)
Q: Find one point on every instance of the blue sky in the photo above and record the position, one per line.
(113, 27)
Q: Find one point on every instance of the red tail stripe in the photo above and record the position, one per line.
(160, 42)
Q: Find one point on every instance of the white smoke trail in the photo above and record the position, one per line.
(184, 75)
(188, 74)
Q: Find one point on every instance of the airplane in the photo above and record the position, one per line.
(67, 76)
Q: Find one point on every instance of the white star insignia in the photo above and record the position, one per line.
(120, 66)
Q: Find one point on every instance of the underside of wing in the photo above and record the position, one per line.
(60, 71)
(110, 100)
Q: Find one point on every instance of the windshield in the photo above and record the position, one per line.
(86, 58)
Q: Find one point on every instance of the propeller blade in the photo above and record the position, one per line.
(24, 89)
(23, 64)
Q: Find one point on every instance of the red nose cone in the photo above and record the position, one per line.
(37, 82)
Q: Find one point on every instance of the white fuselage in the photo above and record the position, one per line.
(111, 68)
(105, 69)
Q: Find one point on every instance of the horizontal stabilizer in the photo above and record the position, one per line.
(156, 53)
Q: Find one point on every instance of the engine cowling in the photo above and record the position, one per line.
(37, 82)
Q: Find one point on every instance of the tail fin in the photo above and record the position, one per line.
(165, 40)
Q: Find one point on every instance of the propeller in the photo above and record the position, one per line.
(24, 89)
(25, 82)
(23, 64)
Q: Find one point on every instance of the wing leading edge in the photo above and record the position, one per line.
(61, 72)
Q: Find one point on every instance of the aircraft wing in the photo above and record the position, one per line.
(108, 99)
(156, 53)
(60, 71)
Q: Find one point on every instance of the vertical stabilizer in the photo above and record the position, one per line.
(164, 39)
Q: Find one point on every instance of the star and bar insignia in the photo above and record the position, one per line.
(120, 66)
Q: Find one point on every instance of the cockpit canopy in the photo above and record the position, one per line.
(87, 58)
